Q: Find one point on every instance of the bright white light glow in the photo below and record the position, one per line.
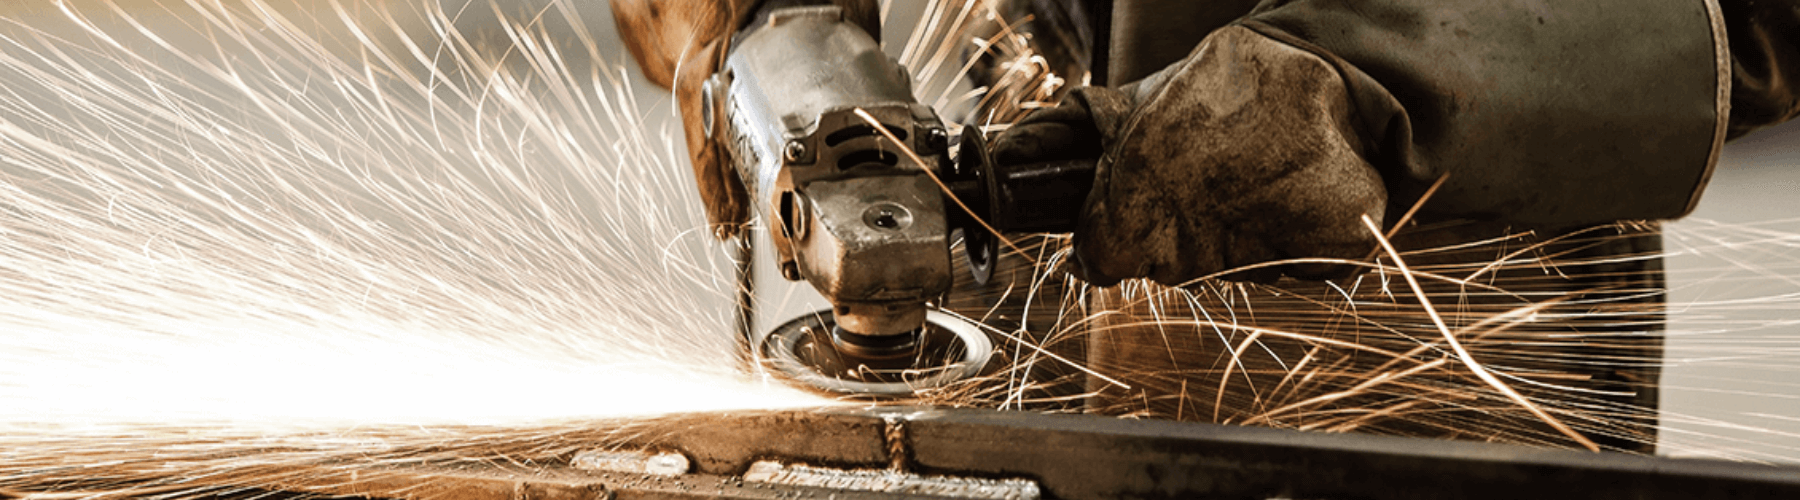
(345, 213)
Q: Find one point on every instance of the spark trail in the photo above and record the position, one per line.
(244, 233)
(346, 211)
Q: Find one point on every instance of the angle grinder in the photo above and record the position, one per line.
(854, 180)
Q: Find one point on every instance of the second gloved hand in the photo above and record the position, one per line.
(1242, 153)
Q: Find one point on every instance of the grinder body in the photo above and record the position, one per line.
(846, 210)
(853, 179)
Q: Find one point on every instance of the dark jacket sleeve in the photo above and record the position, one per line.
(1542, 113)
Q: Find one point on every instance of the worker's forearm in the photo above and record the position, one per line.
(1546, 114)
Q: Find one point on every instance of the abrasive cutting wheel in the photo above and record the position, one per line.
(805, 352)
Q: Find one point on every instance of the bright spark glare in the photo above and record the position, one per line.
(219, 215)
(350, 211)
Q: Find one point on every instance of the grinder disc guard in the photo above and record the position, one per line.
(802, 352)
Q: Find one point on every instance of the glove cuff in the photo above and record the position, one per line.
(1106, 108)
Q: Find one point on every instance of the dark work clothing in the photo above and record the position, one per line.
(1547, 114)
(1544, 114)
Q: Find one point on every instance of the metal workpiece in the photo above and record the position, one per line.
(1081, 456)
(632, 461)
(891, 481)
(922, 452)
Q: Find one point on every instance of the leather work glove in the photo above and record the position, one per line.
(1239, 154)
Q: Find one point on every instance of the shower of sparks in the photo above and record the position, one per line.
(1573, 324)
(251, 213)
(1730, 385)
(248, 233)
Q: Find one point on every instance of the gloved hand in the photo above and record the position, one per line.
(1242, 153)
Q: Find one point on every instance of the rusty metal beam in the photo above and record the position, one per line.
(1061, 456)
